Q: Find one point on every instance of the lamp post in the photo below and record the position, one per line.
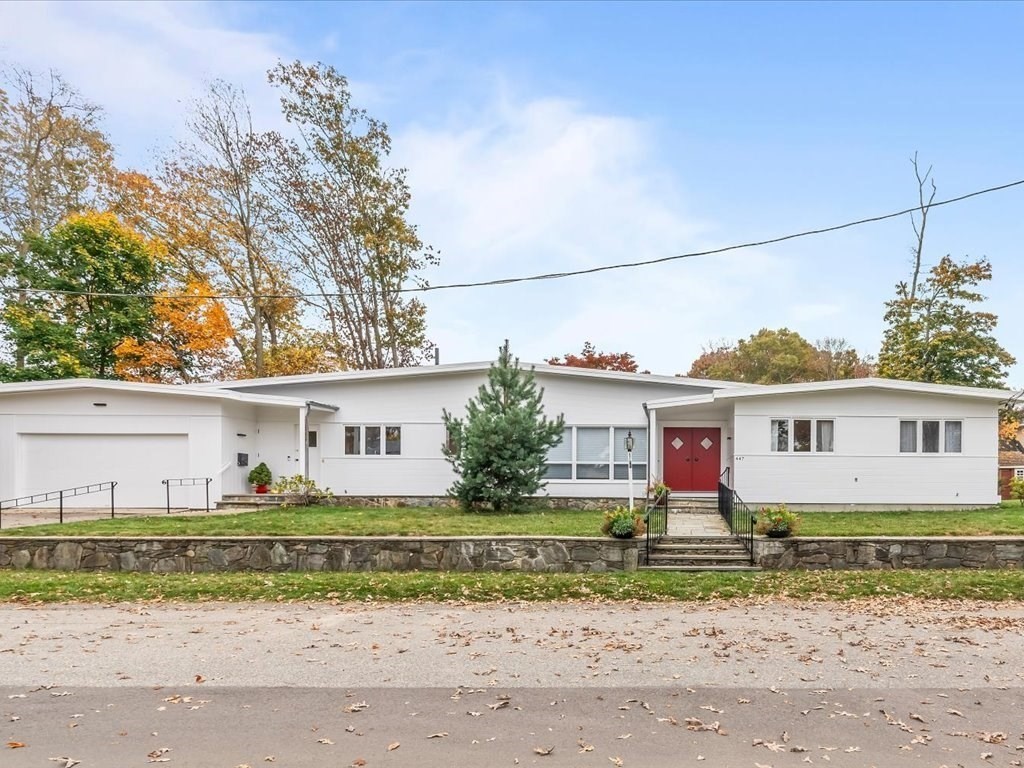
(629, 465)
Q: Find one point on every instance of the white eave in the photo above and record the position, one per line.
(173, 390)
(474, 367)
(843, 385)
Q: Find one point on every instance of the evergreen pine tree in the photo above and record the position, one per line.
(498, 451)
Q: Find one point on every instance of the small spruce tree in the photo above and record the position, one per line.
(498, 451)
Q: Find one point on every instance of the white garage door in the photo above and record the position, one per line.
(137, 462)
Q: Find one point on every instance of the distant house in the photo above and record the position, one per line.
(836, 444)
(1011, 462)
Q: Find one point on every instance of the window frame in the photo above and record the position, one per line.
(362, 434)
(1018, 473)
(942, 437)
(789, 424)
(610, 462)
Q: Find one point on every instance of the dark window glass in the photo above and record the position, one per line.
(372, 441)
(802, 435)
(352, 441)
(393, 441)
(930, 437)
(954, 436)
(311, 440)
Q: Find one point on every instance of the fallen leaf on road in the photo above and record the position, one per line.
(15, 744)
(324, 741)
(543, 750)
(915, 716)
(200, 679)
(616, 761)
(393, 746)
(67, 762)
(584, 747)
(359, 706)
(358, 763)
(499, 705)
(956, 712)
(440, 735)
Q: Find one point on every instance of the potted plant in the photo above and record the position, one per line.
(623, 524)
(260, 477)
(777, 522)
(657, 489)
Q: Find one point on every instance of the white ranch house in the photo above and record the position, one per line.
(837, 444)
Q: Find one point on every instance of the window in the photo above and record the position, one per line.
(780, 434)
(393, 441)
(802, 435)
(808, 435)
(372, 441)
(825, 441)
(621, 468)
(954, 436)
(597, 453)
(311, 438)
(368, 440)
(451, 443)
(352, 441)
(1018, 472)
(932, 436)
(592, 453)
(908, 437)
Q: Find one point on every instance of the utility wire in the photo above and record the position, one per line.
(547, 275)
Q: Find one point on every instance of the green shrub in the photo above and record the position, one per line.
(260, 475)
(1017, 489)
(777, 520)
(623, 524)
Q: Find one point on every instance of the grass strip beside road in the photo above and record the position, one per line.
(337, 521)
(1004, 520)
(28, 586)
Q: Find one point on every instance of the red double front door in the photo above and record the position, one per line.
(692, 458)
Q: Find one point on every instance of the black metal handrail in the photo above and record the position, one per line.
(656, 520)
(179, 482)
(738, 515)
(59, 496)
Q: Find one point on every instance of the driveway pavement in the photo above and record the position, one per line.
(770, 683)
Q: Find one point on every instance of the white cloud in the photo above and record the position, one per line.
(141, 61)
(533, 186)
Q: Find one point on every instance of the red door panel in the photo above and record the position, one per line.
(707, 458)
(678, 457)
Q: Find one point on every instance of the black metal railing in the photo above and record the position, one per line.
(179, 482)
(59, 496)
(656, 520)
(738, 515)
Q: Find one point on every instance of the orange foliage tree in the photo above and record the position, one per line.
(590, 357)
(189, 340)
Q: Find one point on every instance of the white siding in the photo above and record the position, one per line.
(415, 404)
(86, 443)
(866, 467)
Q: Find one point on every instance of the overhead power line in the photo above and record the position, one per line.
(548, 275)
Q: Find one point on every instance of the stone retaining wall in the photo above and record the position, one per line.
(370, 553)
(888, 552)
(538, 502)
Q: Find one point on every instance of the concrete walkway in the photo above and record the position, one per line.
(702, 524)
(25, 516)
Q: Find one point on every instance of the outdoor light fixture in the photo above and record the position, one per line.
(629, 463)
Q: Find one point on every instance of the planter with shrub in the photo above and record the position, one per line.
(777, 522)
(260, 477)
(620, 523)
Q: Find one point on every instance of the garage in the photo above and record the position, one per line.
(138, 463)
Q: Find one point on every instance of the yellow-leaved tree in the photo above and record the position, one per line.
(189, 340)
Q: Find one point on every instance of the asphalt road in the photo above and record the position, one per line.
(885, 683)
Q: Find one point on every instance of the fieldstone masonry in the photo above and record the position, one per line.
(369, 553)
(889, 552)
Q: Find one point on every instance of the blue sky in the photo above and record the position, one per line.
(542, 137)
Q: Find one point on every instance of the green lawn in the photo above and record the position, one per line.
(1006, 519)
(336, 521)
(49, 586)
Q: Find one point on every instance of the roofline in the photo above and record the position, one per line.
(179, 390)
(896, 385)
(471, 367)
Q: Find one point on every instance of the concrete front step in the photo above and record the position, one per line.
(702, 568)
